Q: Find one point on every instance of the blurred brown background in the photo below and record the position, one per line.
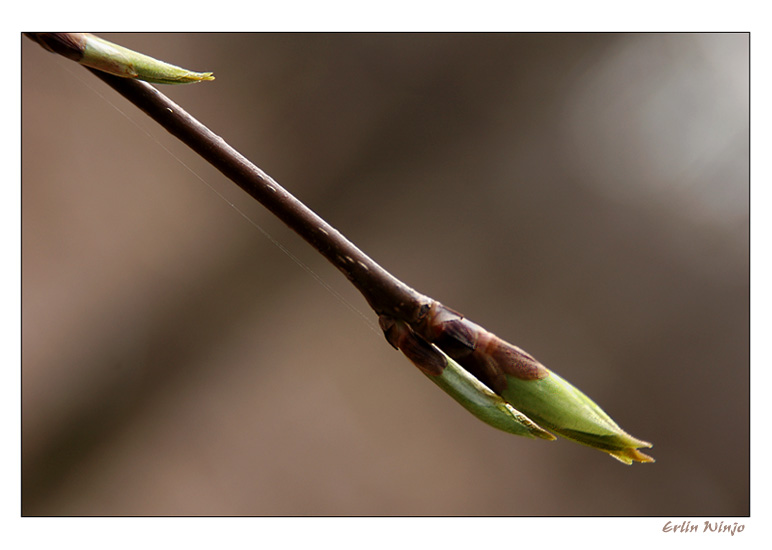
(583, 196)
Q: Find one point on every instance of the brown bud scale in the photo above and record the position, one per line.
(69, 44)
(419, 351)
(489, 358)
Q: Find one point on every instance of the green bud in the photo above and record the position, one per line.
(527, 385)
(97, 53)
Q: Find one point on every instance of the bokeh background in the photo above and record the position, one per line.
(583, 196)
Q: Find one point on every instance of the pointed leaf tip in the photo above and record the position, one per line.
(628, 456)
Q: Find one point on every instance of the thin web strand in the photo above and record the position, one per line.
(370, 324)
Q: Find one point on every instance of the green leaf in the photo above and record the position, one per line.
(556, 404)
(483, 403)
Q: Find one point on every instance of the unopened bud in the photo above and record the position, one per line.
(97, 53)
(527, 385)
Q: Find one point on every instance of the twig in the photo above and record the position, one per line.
(496, 381)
